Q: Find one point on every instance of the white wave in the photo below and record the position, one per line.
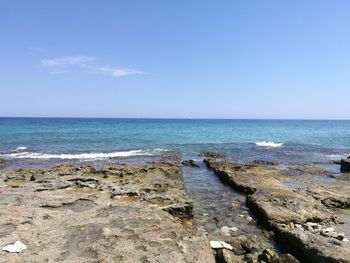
(81, 156)
(21, 148)
(336, 157)
(269, 144)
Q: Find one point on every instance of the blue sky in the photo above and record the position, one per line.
(178, 59)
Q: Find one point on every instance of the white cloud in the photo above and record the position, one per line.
(64, 61)
(119, 72)
(87, 64)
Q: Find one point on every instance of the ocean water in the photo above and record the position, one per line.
(38, 140)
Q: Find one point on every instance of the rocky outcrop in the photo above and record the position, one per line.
(4, 163)
(113, 214)
(345, 165)
(301, 217)
(211, 154)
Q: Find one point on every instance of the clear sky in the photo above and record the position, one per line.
(178, 59)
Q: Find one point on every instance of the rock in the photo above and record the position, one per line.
(286, 258)
(78, 215)
(32, 178)
(190, 163)
(267, 255)
(225, 256)
(249, 246)
(329, 229)
(298, 226)
(4, 163)
(17, 247)
(263, 162)
(220, 244)
(212, 155)
(236, 246)
(228, 231)
(276, 205)
(340, 236)
(345, 165)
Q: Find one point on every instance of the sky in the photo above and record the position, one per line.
(175, 59)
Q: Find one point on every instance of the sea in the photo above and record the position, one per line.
(44, 141)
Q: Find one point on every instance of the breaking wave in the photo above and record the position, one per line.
(269, 144)
(79, 156)
(21, 148)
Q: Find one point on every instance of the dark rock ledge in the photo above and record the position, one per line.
(302, 218)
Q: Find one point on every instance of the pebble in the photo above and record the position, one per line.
(17, 247)
(249, 218)
(345, 240)
(220, 244)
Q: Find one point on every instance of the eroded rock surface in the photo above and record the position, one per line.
(114, 214)
(299, 212)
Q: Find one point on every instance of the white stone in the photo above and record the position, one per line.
(234, 229)
(345, 240)
(17, 247)
(220, 244)
(329, 229)
(298, 225)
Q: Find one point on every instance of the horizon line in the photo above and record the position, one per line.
(171, 118)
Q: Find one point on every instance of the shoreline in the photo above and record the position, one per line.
(258, 231)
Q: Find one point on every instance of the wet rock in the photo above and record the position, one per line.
(228, 231)
(212, 155)
(263, 162)
(249, 245)
(192, 163)
(295, 215)
(237, 247)
(4, 163)
(345, 165)
(285, 258)
(226, 256)
(268, 256)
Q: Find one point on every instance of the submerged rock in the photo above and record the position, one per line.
(190, 163)
(212, 155)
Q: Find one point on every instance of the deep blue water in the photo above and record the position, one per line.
(293, 140)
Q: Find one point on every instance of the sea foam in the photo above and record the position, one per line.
(269, 144)
(82, 156)
(21, 148)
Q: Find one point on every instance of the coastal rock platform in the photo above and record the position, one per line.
(119, 213)
(300, 210)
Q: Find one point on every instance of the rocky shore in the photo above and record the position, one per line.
(298, 209)
(119, 213)
(142, 213)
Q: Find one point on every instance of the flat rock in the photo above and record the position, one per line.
(281, 207)
(116, 213)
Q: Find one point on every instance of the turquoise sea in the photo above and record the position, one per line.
(45, 140)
